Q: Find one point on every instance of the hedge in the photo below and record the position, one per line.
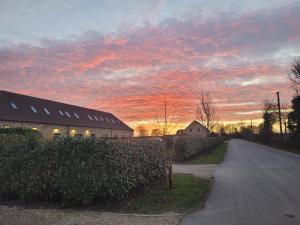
(189, 147)
(76, 171)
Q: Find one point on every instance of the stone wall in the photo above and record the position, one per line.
(49, 131)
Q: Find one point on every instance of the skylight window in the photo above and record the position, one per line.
(96, 118)
(68, 114)
(107, 120)
(76, 115)
(46, 111)
(90, 117)
(101, 118)
(33, 109)
(13, 105)
(60, 112)
(112, 120)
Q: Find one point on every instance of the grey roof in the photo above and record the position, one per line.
(20, 108)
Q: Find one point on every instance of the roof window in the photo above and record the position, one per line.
(112, 120)
(96, 118)
(101, 118)
(46, 111)
(107, 120)
(76, 115)
(33, 109)
(68, 114)
(13, 105)
(60, 112)
(90, 117)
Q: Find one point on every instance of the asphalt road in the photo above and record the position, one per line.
(255, 185)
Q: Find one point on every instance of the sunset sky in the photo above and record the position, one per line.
(128, 57)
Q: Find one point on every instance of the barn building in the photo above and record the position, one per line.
(194, 129)
(54, 118)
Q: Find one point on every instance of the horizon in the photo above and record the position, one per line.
(130, 59)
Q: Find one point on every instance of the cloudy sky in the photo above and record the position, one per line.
(128, 57)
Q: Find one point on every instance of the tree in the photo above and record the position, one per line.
(165, 123)
(269, 114)
(155, 132)
(206, 112)
(269, 119)
(142, 131)
(294, 75)
(294, 116)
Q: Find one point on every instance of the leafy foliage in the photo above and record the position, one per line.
(189, 147)
(75, 170)
(294, 116)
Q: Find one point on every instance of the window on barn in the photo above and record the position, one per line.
(107, 120)
(68, 115)
(60, 112)
(76, 115)
(90, 117)
(33, 109)
(13, 105)
(46, 111)
(96, 118)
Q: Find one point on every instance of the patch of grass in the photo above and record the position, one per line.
(188, 193)
(216, 156)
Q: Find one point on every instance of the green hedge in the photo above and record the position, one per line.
(189, 147)
(76, 170)
(20, 131)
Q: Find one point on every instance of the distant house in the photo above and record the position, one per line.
(194, 129)
(54, 118)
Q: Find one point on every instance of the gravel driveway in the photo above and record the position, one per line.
(18, 216)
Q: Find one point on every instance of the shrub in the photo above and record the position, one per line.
(188, 147)
(77, 170)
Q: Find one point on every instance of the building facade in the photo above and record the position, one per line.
(194, 129)
(54, 118)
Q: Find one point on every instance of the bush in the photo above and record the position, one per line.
(20, 131)
(189, 147)
(76, 170)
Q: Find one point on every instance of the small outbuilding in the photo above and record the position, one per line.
(194, 129)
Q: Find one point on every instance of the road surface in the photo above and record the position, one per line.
(255, 185)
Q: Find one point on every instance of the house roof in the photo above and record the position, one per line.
(22, 108)
(196, 123)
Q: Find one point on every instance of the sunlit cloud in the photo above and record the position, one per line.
(239, 59)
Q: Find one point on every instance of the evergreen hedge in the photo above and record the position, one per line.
(76, 171)
(189, 147)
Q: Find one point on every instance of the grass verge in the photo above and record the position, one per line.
(216, 156)
(189, 193)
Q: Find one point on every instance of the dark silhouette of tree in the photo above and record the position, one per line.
(294, 75)
(165, 119)
(142, 131)
(206, 112)
(155, 132)
(269, 119)
(294, 116)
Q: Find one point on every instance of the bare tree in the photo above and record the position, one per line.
(165, 121)
(206, 112)
(142, 131)
(294, 75)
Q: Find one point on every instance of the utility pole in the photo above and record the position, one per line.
(279, 113)
(165, 128)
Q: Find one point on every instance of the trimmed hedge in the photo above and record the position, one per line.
(76, 171)
(189, 147)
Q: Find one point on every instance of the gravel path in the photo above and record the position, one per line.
(19, 216)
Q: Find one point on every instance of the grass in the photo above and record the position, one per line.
(216, 156)
(188, 193)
